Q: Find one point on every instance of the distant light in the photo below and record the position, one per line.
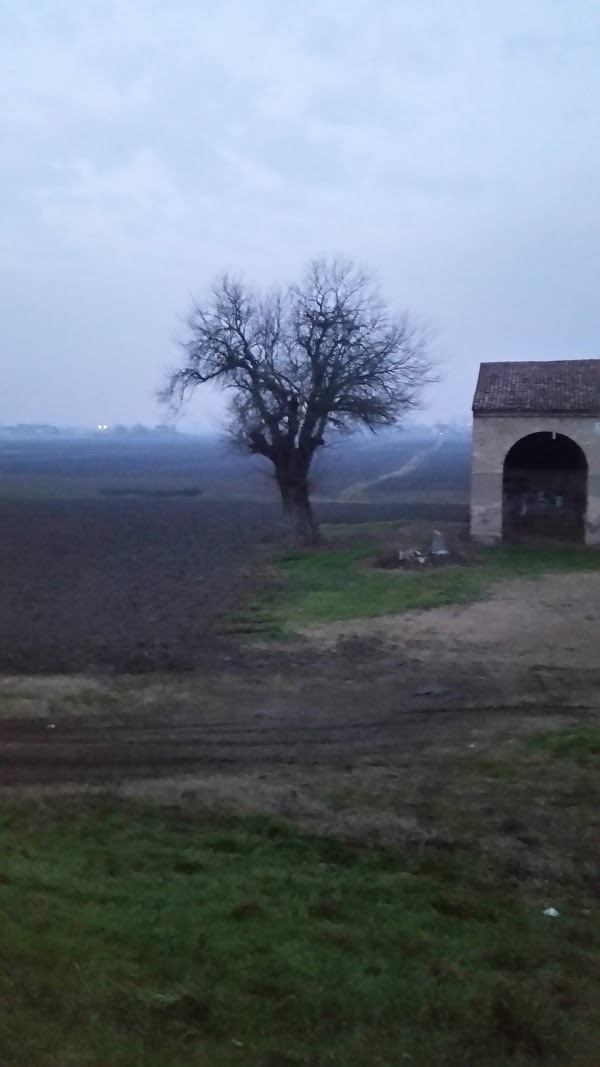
(105, 427)
(99, 426)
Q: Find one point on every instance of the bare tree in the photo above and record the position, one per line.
(321, 357)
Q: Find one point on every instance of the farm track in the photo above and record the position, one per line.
(103, 747)
(135, 595)
(357, 491)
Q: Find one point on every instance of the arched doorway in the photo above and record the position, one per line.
(545, 489)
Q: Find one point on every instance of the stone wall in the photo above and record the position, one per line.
(494, 435)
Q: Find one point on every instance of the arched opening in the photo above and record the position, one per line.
(545, 489)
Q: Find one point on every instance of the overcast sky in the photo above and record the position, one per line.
(450, 145)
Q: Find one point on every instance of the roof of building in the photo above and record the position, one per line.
(562, 385)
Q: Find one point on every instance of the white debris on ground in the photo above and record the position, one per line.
(411, 555)
(416, 555)
(438, 544)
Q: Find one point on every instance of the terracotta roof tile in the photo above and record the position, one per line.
(562, 385)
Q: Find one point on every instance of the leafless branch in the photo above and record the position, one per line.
(321, 357)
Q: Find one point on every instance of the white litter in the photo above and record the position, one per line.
(552, 912)
(51, 726)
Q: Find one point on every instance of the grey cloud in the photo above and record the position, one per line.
(552, 49)
(146, 146)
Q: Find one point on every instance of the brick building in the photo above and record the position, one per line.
(536, 451)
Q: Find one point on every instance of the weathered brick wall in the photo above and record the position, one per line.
(494, 435)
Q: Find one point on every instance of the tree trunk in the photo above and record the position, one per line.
(302, 526)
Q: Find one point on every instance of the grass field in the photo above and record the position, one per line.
(340, 583)
(396, 917)
(134, 935)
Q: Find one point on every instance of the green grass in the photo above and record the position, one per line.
(133, 936)
(581, 744)
(337, 584)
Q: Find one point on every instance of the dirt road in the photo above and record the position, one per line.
(103, 730)
(346, 694)
(357, 491)
(550, 622)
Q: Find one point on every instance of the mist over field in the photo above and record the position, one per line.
(390, 467)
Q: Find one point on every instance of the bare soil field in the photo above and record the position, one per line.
(118, 663)
(125, 584)
(131, 584)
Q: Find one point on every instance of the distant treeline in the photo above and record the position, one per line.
(107, 491)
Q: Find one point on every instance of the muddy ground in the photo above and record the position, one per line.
(387, 691)
(116, 665)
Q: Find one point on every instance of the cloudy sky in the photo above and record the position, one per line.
(450, 145)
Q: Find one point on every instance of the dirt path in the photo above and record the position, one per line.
(112, 730)
(357, 694)
(355, 492)
(552, 622)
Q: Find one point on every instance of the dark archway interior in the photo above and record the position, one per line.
(545, 489)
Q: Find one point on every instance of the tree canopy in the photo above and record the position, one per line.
(321, 357)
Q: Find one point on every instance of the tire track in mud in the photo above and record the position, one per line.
(98, 748)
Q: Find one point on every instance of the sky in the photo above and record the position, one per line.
(450, 146)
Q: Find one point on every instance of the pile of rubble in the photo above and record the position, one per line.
(437, 553)
(409, 557)
(414, 555)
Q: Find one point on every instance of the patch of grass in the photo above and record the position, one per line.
(138, 936)
(337, 584)
(342, 531)
(256, 620)
(580, 744)
(529, 561)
